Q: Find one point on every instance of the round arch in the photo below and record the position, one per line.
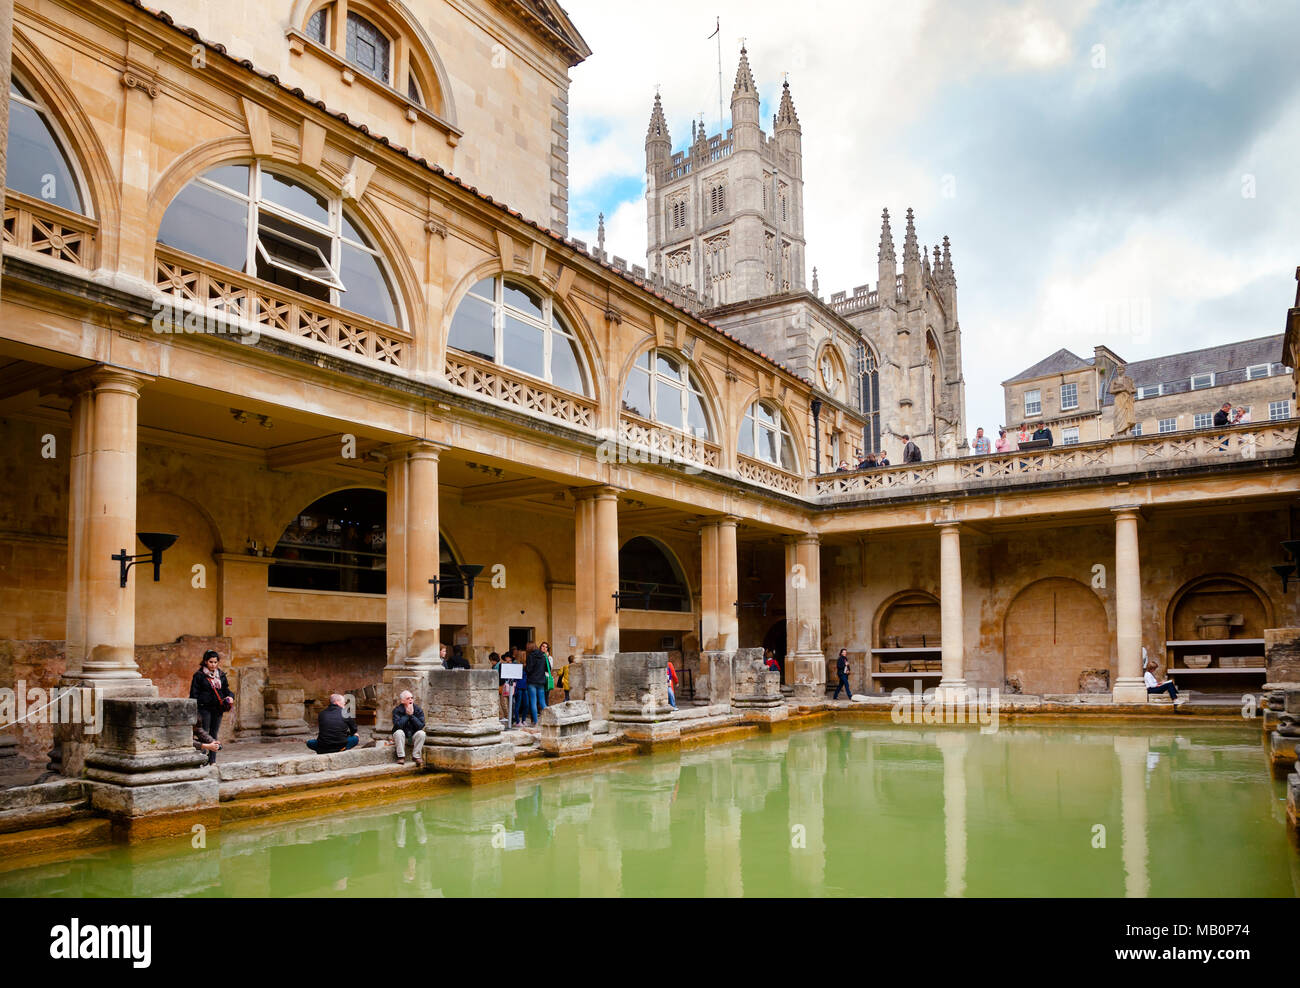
(713, 404)
(81, 142)
(1054, 630)
(798, 440)
(907, 614)
(591, 354)
(637, 564)
(395, 18)
(1218, 593)
(238, 150)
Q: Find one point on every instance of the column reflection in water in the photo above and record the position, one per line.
(807, 775)
(1132, 755)
(953, 743)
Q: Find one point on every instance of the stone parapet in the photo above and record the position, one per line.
(284, 712)
(756, 689)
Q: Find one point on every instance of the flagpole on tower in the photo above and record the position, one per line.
(717, 33)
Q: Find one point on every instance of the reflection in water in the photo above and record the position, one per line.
(896, 811)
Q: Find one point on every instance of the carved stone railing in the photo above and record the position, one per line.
(668, 443)
(1110, 457)
(43, 228)
(769, 476)
(480, 377)
(223, 292)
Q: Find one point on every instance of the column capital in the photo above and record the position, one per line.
(416, 449)
(949, 525)
(710, 521)
(601, 492)
(802, 538)
(1126, 510)
(105, 377)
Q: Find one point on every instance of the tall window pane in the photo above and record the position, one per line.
(367, 292)
(523, 347)
(471, 329)
(566, 365)
(209, 224)
(36, 164)
(367, 48)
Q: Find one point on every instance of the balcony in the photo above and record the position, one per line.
(1114, 457)
(769, 476)
(665, 443)
(209, 289)
(500, 384)
(49, 230)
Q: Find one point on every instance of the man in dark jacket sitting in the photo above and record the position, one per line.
(335, 731)
(408, 725)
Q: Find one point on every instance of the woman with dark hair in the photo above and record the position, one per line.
(842, 670)
(210, 689)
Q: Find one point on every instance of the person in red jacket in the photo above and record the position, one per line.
(672, 681)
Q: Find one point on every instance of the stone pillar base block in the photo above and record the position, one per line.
(719, 685)
(1129, 691)
(153, 800)
(1293, 803)
(766, 713)
(1282, 753)
(566, 728)
(470, 760)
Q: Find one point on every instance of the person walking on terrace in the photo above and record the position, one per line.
(842, 669)
(211, 691)
(911, 451)
(335, 731)
(408, 725)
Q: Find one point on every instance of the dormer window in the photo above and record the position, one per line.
(1257, 370)
(1200, 381)
(1150, 391)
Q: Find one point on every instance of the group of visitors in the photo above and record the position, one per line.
(1227, 415)
(527, 697)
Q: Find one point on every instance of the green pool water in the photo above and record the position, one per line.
(873, 810)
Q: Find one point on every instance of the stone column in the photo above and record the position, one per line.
(640, 706)
(1129, 684)
(596, 582)
(411, 547)
(242, 616)
(719, 589)
(803, 612)
(951, 614)
(462, 727)
(101, 522)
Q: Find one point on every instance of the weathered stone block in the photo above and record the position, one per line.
(462, 696)
(718, 688)
(1282, 655)
(641, 687)
(469, 760)
(566, 728)
(809, 675)
(592, 680)
(1094, 681)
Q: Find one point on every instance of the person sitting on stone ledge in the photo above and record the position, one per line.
(335, 731)
(408, 725)
(1157, 687)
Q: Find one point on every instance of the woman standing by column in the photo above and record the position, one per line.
(210, 689)
(842, 670)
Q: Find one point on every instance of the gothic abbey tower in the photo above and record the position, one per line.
(716, 209)
(887, 360)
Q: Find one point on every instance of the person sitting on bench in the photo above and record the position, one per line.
(1155, 687)
(335, 730)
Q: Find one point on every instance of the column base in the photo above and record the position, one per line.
(809, 676)
(952, 689)
(1129, 691)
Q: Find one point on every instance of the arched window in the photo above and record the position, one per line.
(337, 544)
(246, 217)
(511, 324)
(763, 434)
(367, 47)
(661, 387)
(36, 163)
(643, 561)
(869, 398)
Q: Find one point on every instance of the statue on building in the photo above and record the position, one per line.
(1123, 391)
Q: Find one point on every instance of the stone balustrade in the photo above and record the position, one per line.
(489, 380)
(661, 442)
(768, 476)
(1108, 458)
(213, 293)
(49, 230)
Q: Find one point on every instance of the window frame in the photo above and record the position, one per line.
(1251, 376)
(1136, 430)
(27, 95)
(686, 383)
(783, 434)
(1202, 420)
(1273, 406)
(552, 322)
(1070, 436)
(1075, 387)
(1150, 391)
(1037, 402)
(1192, 385)
(1171, 422)
(256, 203)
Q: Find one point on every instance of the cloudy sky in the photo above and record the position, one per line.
(1109, 172)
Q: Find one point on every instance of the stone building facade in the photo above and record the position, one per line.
(889, 360)
(245, 302)
(1177, 392)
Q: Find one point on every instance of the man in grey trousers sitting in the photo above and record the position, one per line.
(408, 725)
